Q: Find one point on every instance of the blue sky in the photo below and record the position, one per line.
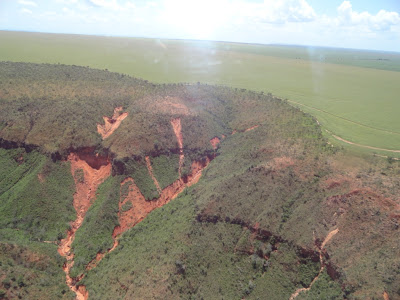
(349, 24)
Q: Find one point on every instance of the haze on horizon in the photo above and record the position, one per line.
(373, 25)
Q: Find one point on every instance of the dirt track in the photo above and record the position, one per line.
(364, 146)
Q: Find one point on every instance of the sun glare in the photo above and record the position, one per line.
(197, 19)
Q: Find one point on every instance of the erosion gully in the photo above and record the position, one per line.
(96, 169)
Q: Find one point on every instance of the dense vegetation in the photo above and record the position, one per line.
(35, 194)
(31, 271)
(353, 93)
(252, 227)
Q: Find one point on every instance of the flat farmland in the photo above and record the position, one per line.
(354, 94)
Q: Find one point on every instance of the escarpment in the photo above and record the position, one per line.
(140, 190)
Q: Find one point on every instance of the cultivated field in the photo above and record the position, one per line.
(353, 94)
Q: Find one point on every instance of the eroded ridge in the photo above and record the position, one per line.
(177, 127)
(89, 171)
(251, 128)
(88, 175)
(111, 124)
(322, 262)
(214, 142)
(140, 208)
(150, 169)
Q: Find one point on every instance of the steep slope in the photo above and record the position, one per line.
(258, 194)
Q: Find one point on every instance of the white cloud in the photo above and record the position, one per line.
(108, 4)
(273, 11)
(289, 11)
(26, 11)
(67, 1)
(265, 21)
(28, 3)
(382, 21)
(207, 19)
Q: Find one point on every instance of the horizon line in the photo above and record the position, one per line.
(200, 40)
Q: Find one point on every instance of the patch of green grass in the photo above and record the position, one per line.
(79, 176)
(127, 206)
(138, 171)
(165, 169)
(32, 270)
(35, 194)
(125, 189)
(323, 288)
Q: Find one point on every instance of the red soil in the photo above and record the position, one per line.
(168, 105)
(40, 177)
(322, 262)
(386, 296)
(251, 128)
(248, 129)
(214, 142)
(96, 169)
(283, 162)
(177, 127)
(150, 169)
(111, 124)
(83, 199)
(141, 208)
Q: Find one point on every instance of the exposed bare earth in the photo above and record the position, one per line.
(321, 259)
(111, 124)
(214, 142)
(141, 208)
(150, 169)
(386, 296)
(96, 169)
(251, 128)
(168, 105)
(176, 125)
(83, 199)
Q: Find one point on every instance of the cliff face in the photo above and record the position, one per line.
(177, 191)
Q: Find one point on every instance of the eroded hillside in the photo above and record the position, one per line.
(262, 206)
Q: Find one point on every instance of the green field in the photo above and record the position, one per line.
(352, 93)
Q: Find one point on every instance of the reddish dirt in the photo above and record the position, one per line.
(338, 181)
(111, 124)
(386, 296)
(388, 204)
(214, 142)
(150, 169)
(96, 169)
(141, 208)
(321, 259)
(177, 127)
(40, 177)
(83, 198)
(283, 162)
(169, 105)
(251, 128)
